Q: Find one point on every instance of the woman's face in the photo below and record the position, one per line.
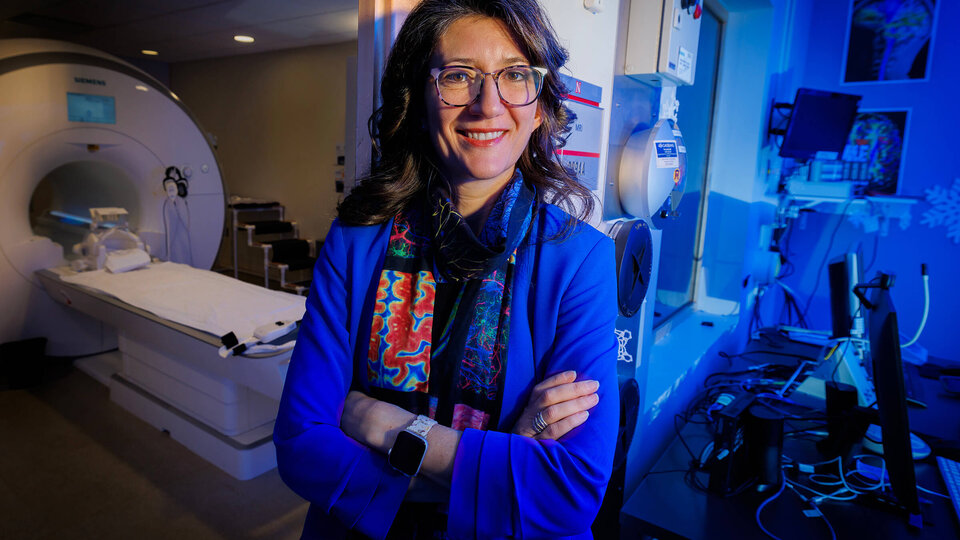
(484, 140)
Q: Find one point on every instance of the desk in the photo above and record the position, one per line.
(664, 506)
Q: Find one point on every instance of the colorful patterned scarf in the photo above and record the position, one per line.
(459, 379)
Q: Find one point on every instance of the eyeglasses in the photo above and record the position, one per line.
(459, 86)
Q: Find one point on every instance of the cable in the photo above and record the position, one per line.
(82, 356)
(253, 348)
(843, 479)
(826, 255)
(185, 224)
(727, 355)
(876, 250)
(813, 430)
(186, 204)
(663, 472)
(781, 412)
(925, 490)
(831, 483)
(790, 304)
(836, 482)
(682, 440)
(820, 463)
(833, 533)
(883, 472)
(756, 317)
(861, 252)
(760, 509)
(840, 360)
(166, 229)
(883, 467)
(786, 267)
(926, 307)
(801, 370)
(814, 505)
(835, 496)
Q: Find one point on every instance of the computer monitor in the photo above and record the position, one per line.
(820, 123)
(845, 310)
(891, 397)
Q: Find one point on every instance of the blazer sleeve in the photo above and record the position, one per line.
(315, 458)
(507, 485)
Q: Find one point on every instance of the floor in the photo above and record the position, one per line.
(75, 465)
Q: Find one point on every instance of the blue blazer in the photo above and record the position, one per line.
(504, 485)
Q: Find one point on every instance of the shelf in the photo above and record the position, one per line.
(872, 213)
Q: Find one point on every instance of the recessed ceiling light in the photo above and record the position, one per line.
(243, 39)
(149, 52)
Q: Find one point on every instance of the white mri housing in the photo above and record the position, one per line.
(50, 163)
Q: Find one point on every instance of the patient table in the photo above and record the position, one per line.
(171, 375)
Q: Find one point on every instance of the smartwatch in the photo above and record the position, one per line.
(408, 450)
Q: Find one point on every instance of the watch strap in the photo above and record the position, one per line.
(421, 426)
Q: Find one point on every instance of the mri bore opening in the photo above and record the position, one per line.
(60, 204)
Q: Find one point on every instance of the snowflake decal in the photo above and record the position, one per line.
(946, 209)
(865, 218)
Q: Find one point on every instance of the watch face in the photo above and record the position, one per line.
(407, 453)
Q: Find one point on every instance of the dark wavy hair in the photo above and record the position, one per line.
(406, 162)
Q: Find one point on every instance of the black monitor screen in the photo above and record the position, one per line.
(844, 273)
(892, 401)
(819, 124)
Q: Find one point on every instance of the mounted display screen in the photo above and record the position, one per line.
(819, 124)
(91, 108)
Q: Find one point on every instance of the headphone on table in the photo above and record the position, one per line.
(174, 183)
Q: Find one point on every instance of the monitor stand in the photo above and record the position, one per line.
(852, 370)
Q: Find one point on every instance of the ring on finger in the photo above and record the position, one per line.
(539, 424)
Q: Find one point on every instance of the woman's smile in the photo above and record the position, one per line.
(482, 137)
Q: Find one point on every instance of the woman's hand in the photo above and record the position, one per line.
(562, 401)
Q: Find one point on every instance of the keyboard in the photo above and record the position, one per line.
(950, 471)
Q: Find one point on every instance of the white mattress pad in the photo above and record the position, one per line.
(200, 299)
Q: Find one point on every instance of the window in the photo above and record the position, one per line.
(676, 280)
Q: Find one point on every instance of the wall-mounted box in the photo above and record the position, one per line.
(662, 39)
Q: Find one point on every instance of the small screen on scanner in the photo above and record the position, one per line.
(91, 108)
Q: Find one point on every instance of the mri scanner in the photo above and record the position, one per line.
(80, 129)
(132, 130)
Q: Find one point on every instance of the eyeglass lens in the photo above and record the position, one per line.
(518, 85)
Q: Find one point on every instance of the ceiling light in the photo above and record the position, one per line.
(149, 52)
(243, 39)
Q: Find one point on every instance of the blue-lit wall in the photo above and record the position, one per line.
(931, 158)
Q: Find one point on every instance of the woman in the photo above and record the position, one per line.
(450, 290)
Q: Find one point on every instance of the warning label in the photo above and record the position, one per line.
(667, 154)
